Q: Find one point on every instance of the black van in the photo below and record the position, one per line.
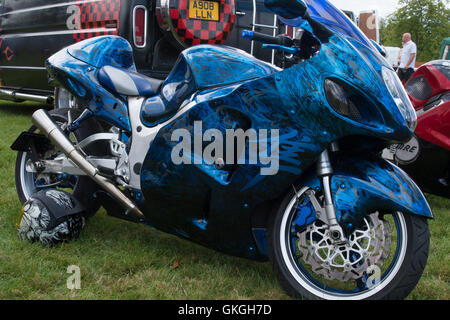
(32, 30)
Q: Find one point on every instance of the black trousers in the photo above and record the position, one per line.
(405, 74)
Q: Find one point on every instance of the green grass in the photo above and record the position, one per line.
(123, 260)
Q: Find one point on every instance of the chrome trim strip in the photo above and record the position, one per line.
(64, 4)
(63, 32)
(23, 68)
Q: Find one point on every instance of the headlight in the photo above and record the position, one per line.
(351, 103)
(400, 97)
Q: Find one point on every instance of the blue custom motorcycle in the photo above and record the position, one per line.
(335, 220)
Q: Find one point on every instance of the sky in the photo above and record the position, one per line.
(384, 7)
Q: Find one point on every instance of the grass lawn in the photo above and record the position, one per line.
(123, 260)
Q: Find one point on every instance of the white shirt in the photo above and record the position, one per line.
(408, 49)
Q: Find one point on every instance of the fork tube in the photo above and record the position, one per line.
(325, 171)
(329, 205)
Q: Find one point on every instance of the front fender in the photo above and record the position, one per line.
(361, 186)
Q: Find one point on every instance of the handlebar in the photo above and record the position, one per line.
(264, 38)
(305, 45)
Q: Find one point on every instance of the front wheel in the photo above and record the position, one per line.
(383, 259)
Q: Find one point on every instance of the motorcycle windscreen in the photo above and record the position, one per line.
(105, 50)
(334, 19)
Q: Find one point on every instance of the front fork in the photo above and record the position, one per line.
(327, 213)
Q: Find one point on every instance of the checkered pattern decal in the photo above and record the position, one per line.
(95, 15)
(193, 32)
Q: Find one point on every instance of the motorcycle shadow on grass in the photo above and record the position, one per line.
(126, 248)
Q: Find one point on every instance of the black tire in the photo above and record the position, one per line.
(84, 188)
(399, 287)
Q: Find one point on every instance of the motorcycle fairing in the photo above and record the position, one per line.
(199, 68)
(429, 90)
(361, 186)
(332, 18)
(214, 66)
(430, 80)
(103, 51)
(434, 125)
(358, 66)
(79, 74)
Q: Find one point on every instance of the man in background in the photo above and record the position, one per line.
(407, 58)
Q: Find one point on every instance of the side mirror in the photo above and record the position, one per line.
(288, 9)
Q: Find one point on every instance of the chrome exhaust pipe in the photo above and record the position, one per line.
(17, 96)
(42, 120)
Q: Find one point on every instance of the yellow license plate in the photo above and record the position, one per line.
(204, 10)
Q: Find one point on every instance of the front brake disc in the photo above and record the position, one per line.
(365, 247)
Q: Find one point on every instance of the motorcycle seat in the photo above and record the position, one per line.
(127, 83)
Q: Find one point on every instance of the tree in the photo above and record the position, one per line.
(428, 21)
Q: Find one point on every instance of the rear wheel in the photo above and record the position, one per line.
(81, 187)
(383, 259)
(64, 99)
